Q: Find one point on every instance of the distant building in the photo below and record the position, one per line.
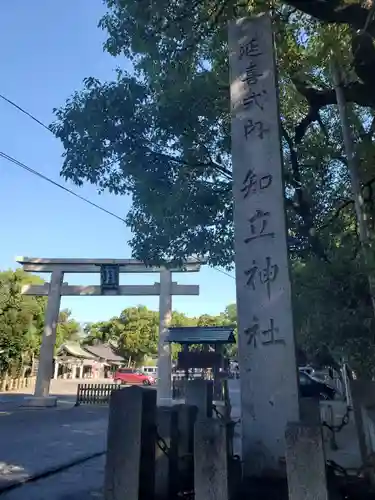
(75, 361)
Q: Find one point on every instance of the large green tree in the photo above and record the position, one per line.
(19, 319)
(135, 330)
(162, 134)
(67, 328)
(134, 333)
(22, 322)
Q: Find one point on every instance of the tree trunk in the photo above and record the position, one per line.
(364, 230)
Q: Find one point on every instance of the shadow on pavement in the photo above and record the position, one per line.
(37, 440)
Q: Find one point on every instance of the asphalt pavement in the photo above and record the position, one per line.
(82, 482)
(35, 440)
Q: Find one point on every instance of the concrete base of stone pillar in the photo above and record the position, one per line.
(40, 401)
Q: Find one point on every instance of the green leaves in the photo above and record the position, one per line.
(18, 315)
(67, 328)
(22, 322)
(162, 133)
(333, 312)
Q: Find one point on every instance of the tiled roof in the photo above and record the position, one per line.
(74, 349)
(103, 351)
(201, 335)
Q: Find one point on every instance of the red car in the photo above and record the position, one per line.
(130, 376)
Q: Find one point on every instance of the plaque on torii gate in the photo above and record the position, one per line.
(110, 270)
(110, 279)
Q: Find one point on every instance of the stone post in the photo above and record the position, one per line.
(130, 463)
(56, 370)
(363, 399)
(216, 373)
(166, 465)
(310, 411)
(305, 462)
(41, 394)
(199, 393)
(210, 460)
(164, 395)
(327, 415)
(345, 378)
(267, 358)
(186, 418)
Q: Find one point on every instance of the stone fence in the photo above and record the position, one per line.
(8, 384)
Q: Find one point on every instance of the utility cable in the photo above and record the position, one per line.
(82, 198)
(44, 177)
(26, 113)
(22, 165)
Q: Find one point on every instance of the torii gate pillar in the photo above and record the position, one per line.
(164, 349)
(45, 370)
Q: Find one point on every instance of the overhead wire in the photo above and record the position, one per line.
(51, 181)
(25, 112)
(224, 272)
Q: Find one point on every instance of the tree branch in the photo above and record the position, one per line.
(356, 92)
(344, 205)
(335, 11)
(211, 164)
(336, 213)
(302, 207)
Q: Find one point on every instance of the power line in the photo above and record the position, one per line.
(221, 169)
(82, 198)
(26, 113)
(35, 172)
(224, 272)
(44, 177)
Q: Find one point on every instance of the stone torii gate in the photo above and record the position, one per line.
(109, 270)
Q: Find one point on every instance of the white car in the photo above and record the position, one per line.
(150, 370)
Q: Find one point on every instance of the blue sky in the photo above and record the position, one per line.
(46, 49)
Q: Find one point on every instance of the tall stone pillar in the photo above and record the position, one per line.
(48, 343)
(267, 358)
(164, 350)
